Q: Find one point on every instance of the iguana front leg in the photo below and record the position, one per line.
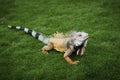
(81, 51)
(68, 59)
(46, 48)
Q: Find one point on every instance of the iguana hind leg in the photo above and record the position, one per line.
(46, 48)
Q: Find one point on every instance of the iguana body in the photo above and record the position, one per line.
(59, 44)
(76, 41)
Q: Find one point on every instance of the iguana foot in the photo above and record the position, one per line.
(44, 52)
(75, 62)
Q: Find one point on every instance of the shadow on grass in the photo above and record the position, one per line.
(114, 5)
(109, 71)
(5, 6)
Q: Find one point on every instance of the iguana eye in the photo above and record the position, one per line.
(80, 35)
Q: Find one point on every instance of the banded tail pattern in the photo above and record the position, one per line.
(33, 33)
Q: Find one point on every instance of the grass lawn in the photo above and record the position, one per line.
(20, 55)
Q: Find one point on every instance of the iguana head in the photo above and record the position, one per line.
(79, 38)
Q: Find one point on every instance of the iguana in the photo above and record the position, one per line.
(75, 41)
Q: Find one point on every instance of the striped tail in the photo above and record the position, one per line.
(33, 33)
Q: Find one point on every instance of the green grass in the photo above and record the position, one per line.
(20, 55)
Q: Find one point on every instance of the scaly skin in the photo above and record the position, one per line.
(77, 41)
(60, 44)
